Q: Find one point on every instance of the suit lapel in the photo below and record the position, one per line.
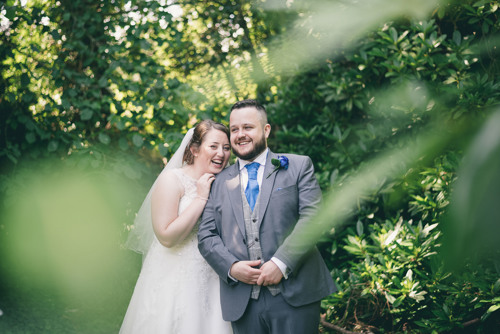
(267, 185)
(234, 190)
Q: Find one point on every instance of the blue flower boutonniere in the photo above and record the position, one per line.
(280, 163)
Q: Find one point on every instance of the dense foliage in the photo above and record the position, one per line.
(405, 77)
(110, 87)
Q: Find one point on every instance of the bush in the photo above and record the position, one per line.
(404, 78)
(393, 281)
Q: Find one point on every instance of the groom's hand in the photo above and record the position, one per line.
(271, 274)
(245, 272)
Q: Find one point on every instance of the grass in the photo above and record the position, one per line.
(31, 306)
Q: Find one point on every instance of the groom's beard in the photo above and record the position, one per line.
(258, 148)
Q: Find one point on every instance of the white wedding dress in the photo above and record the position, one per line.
(177, 292)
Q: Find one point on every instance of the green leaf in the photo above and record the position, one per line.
(496, 287)
(29, 97)
(11, 10)
(333, 248)
(394, 34)
(493, 308)
(446, 310)
(137, 140)
(441, 11)
(353, 250)
(25, 80)
(30, 137)
(398, 301)
(11, 157)
(162, 149)
(478, 186)
(53, 145)
(103, 82)
(359, 228)
(71, 92)
(457, 37)
(337, 134)
(486, 28)
(390, 298)
(104, 138)
(123, 144)
(86, 114)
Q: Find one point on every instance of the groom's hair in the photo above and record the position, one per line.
(252, 103)
(199, 133)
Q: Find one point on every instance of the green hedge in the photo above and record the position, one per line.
(404, 78)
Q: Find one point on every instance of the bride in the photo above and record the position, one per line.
(177, 292)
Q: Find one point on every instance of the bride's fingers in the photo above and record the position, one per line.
(204, 183)
(208, 177)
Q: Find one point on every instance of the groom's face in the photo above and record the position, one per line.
(248, 133)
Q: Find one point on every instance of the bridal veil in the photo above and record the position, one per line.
(141, 234)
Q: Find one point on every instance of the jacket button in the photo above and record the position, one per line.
(254, 220)
(257, 239)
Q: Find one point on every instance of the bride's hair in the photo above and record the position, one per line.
(200, 131)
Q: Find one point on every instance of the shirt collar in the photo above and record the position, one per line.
(261, 159)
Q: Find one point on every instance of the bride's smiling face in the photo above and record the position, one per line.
(213, 154)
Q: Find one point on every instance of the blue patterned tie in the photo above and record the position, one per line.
(252, 190)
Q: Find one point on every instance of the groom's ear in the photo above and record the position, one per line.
(267, 130)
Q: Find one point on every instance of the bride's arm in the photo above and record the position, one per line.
(169, 227)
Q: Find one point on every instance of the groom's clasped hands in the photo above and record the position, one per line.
(249, 272)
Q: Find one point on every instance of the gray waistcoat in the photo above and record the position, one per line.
(253, 239)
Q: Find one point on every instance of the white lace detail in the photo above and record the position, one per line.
(190, 193)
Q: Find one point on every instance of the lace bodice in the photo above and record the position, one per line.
(189, 185)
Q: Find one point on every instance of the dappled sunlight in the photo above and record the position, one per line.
(328, 28)
(323, 30)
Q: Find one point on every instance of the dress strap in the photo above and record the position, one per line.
(187, 181)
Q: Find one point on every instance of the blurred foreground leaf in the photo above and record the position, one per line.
(474, 225)
(63, 232)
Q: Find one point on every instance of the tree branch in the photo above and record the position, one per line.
(328, 325)
(471, 322)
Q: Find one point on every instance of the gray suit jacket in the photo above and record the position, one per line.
(288, 198)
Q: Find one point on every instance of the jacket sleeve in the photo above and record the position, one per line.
(210, 242)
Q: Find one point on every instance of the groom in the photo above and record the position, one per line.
(268, 284)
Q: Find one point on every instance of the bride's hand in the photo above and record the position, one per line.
(203, 185)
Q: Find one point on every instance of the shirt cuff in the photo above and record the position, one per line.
(231, 277)
(229, 274)
(282, 266)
